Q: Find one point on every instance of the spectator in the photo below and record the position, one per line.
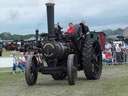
(14, 62)
(113, 50)
(26, 55)
(123, 48)
(103, 56)
(71, 29)
(22, 62)
(109, 59)
(119, 54)
(86, 27)
(108, 47)
(113, 47)
(118, 48)
(123, 53)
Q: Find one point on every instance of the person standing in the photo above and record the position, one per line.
(108, 47)
(113, 50)
(118, 49)
(14, 62)
(119, 54)
(123, 51)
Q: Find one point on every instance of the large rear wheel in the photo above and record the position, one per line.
(72, 69)
(31, 72)
(92, 59)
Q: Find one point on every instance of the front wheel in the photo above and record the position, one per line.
(31, 72)
(72, 69)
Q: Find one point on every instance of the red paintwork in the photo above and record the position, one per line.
(102, 40)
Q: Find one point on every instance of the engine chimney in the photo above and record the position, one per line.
(50, 18)
(37, 34)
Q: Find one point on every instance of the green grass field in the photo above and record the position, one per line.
(113, 82)
(8, 53)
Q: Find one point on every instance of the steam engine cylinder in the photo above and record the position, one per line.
(56, 49)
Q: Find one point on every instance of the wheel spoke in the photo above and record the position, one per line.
(98, 54)
(74, 69)
(96, 65)
(31, 69)
(94, 49)
(95, 72)
(92, 61)
(93, 68)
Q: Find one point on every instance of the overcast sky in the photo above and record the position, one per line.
(24, 16)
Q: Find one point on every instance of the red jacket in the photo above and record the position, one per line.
(108, 55)
(70, 30)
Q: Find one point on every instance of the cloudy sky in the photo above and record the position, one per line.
(24, 16)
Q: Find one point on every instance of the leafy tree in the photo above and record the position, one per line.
(118, 31)
(9, 36)
(6, 36)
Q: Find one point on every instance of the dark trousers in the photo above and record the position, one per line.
(21, 66)
(14, 67)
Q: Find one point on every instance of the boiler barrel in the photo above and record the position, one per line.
(56, 50)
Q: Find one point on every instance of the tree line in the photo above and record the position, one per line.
(9, 36)
(118, 31)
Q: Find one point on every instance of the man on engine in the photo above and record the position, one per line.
(71, 29)
(86, 27)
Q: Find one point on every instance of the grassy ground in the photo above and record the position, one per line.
(8, 53)
(113, 82)
(9, 69)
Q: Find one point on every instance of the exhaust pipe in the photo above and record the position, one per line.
(50, 19)
(37, 34)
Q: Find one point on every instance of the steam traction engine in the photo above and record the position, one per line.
(65, 54)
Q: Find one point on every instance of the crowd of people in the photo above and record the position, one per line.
(114, 53)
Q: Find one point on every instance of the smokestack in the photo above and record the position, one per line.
(50, 18)
(37, 34)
